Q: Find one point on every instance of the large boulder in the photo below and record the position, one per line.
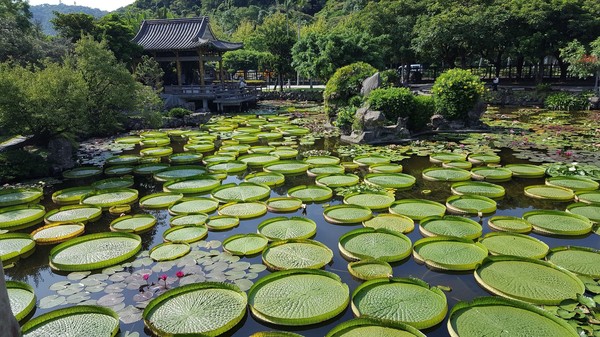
(376, 128)
(370, 84)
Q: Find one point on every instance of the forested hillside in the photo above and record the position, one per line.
(42, 14)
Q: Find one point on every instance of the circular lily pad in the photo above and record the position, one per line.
(529, 280)
(284, 228)
(347, 214)
(21, 216)
(179, 172)
(194, 206)
(199, 309)
(325, 169)
(285, 153)
(187, 234)
(191, 186)
(526, 170)
(94, 251)
(590, 211)
(287, 167)
(337, 180)
(188, 219)
(393, 222)
(110, 197)
(372, 200)
(222, 222)
(243, 192)
(370, 243)
(390, 180)
(311, 193)
(509, 224)
(484, 315)
(417, 209)
(385, 168)
(370, 269)
(268, 178)
(156, 151)
(549, 192)
(403, 300)
(244, 210)
(284, 204)
(71, 196)
(21, 297)
(322, 160)
(56, 233)
(588, 197)
(295, 254)
(450, 225)
(14, 246)
(18, 196)
(133, 223)
(448, 253)
(113, 183)
(502, 243)
(258, 160)
(445, 157)
(73, 213)
(371, 159)
(470, 204)
(80, 320)
(465, 165)
(579, 260)
(185, 158)
(446, 174)
(484, 158)
(493, 174)
(373, 327)
(311, 296)
(160, 200)
(118, 170)
(573, 183)
(478, 188)
(81, 173)
(558, 222)
(150, 169)
(233, 166)
(245, 244)
(169, 251)
(199, 147)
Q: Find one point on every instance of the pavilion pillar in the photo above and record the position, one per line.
(221, 69)
(178, 68)
(201, 68)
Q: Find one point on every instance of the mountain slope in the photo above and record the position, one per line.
(42, 14)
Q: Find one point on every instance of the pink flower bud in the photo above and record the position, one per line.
(146, 277)
(180, 274)
(163, 277)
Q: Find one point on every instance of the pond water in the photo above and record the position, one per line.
(35, 271)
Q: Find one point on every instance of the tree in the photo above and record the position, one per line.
(73, 26)
(583, 62)
(244, 59)
(149, 73)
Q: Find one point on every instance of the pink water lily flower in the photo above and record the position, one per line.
(146, 277)
(180, 274)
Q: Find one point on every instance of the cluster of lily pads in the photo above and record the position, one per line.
(186, 286)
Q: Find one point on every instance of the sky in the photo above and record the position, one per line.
(107, 5)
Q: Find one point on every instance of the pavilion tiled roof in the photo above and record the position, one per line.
(180, 34)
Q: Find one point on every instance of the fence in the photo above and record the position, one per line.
(528, 72)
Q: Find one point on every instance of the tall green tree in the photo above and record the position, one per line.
(583, 62)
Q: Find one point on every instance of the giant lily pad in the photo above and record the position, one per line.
(284, 228)
(160, 200)
(403, 300)
(509, 224)
(558, 222)
(347, 214)
(448, 253)
(169, 251)
(385, 168)
(390, 180)
(94, 251)
(243, 210)
(187, 234)
(470, 204)
(233, 166)
(393, 222)
(322, 160)
(528, 280)
(372, 200)
(70, 196)
(337, 180)
(325, 169)
(112, 183)
(478, 188)
(74, 213)
(549, 192)
(194, 206)
(110, 197)
(296, 254)
(81, 320)
(133, 223)
(18, 196)
(590, 211)
(179, 172)
(573, 183)
(579, 260)
(484, 158)
(450, 225)
(191, 186)
(14, 246)
(526, 170)
(245, 244)
(370, 269)
(371, 159)
(370, 243)
(150, 169)
(417, 209)
(284, 204)
(493, 174)
(243, 192)
(21, 297)
(502, 243)
(82, 172)
(445, 157)
(311, 193)
(56, 233)
(589, 197)
(268, 178)
(21, 216)
(446, 174)
(222, 222)
(287, 167)
(373, 327)
(311, 296)
(494, 316)
(188, 219)
(200, 309)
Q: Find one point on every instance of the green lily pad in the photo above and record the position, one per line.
(417, 209)
(194, 206)
(370, 269)
(160, 200)
(21, 297)
(370, 243)
(470, 204)
(347, 214)
(222, 222)
(243, 192)
(56, 233)
(71, 196)
(448, 253)
(284, 228)
(373, 327)
(245, 244)
(284, 204)
(503, 243)
(493, 174)
(558, 222)
(549, 192)
(73, 213)
(446, 174)
(267, 178)
(21, 216)
(374, 201)
(390, 180)
(526, 170)
(133, 223)
(579, 260)
(244, 210)
(337, 180)
(169, 251)
(590, 211)
(478, 188)
(509, 224)
(577, 184)
(191, 186)
(296, 254)
(393, 222)
(310, 193)
(450, 225)
(81, 320)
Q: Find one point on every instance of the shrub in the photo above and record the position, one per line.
(179, 112)
(345, 118)
(21, 164)
(345, 83)
(424, 109)
(455, 92)
(393, 102)
(567, 102)
(390, 78)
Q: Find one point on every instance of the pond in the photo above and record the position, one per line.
(122, 289)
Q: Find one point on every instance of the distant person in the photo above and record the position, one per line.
(242, 83)
(495, 82)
